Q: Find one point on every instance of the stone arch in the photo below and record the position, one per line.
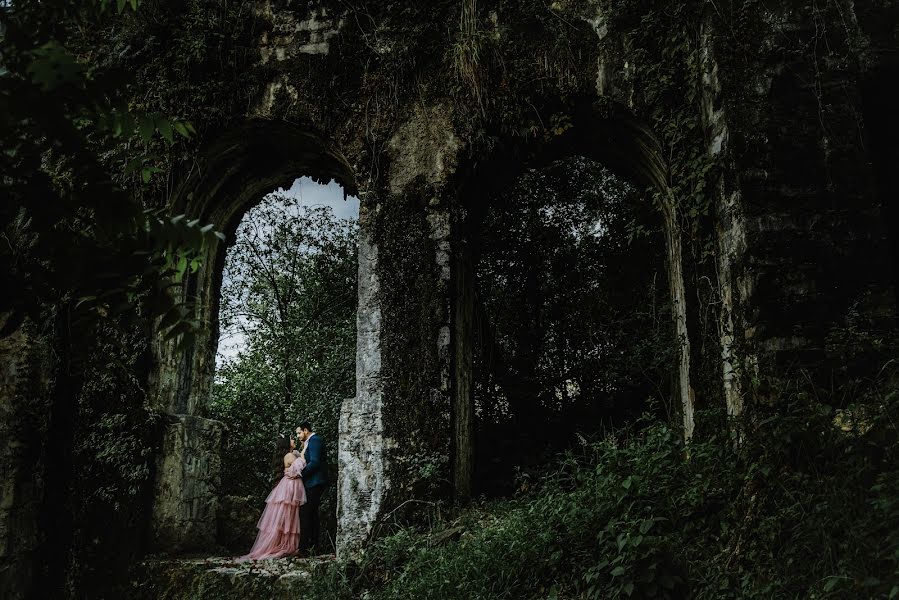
(229, 176)
(609, 134)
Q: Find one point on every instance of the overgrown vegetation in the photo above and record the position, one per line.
(60, 116)
(85, 268)
(116, 441)
(805, 507)
(402, 231)
(97, 108)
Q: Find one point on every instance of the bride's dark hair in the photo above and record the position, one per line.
(282, 447)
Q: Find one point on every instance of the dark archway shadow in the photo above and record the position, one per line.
(602, 132)
(605, 133)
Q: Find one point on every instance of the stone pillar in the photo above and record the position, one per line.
(362, 476)
(394, 436)
(394, 447)
(186, 487)
(440, 223)
(188, 471)
(729, 235)
(463, 316)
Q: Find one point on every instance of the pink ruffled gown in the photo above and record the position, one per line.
(279, 525)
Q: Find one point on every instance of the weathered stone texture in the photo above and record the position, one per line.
(424, 148)
(362, 475)
(187, 480)
(797, 211)
(730, 234)
(222, 579)
(290, 36)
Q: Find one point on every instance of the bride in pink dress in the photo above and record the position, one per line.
(279, 525)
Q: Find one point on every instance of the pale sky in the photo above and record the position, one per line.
(309, 193)
(313, 194)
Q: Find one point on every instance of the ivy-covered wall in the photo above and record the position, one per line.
(796, 173)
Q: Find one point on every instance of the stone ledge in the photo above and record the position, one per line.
(222, 578)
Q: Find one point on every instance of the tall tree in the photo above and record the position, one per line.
(288, 310)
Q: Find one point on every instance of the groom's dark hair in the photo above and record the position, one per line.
(306, 425)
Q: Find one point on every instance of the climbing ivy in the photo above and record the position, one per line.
(419, 411)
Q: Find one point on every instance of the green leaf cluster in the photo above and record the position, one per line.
(75, 236)
(801, 510)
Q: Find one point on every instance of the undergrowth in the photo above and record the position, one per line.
(806, 505)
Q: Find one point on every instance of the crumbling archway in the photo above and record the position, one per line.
(607, 134)
(227, 178)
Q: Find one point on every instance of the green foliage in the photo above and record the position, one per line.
(586, 342)
(468, 53)
(805, 506)
(494, 81)
(115, 438)
(74, 235)
(582, 329)
(802, 509)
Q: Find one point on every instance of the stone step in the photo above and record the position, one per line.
(222, 578)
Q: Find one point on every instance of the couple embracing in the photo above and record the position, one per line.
(290, 523)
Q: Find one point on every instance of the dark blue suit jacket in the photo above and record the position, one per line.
(316, 456)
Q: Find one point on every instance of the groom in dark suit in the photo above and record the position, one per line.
(315, 480)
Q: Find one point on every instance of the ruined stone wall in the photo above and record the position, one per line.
(341, 119)
(188, 473)
(403, 103)
(802, 237)
(783, 236)
(799, 234)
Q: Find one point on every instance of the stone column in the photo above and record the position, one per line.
(736, 364)
(362, 476)
(186, 488)
(395, 435)
(463, 316)
(188, 468)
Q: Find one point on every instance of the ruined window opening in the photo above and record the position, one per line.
(570, 283)
(286, 349)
